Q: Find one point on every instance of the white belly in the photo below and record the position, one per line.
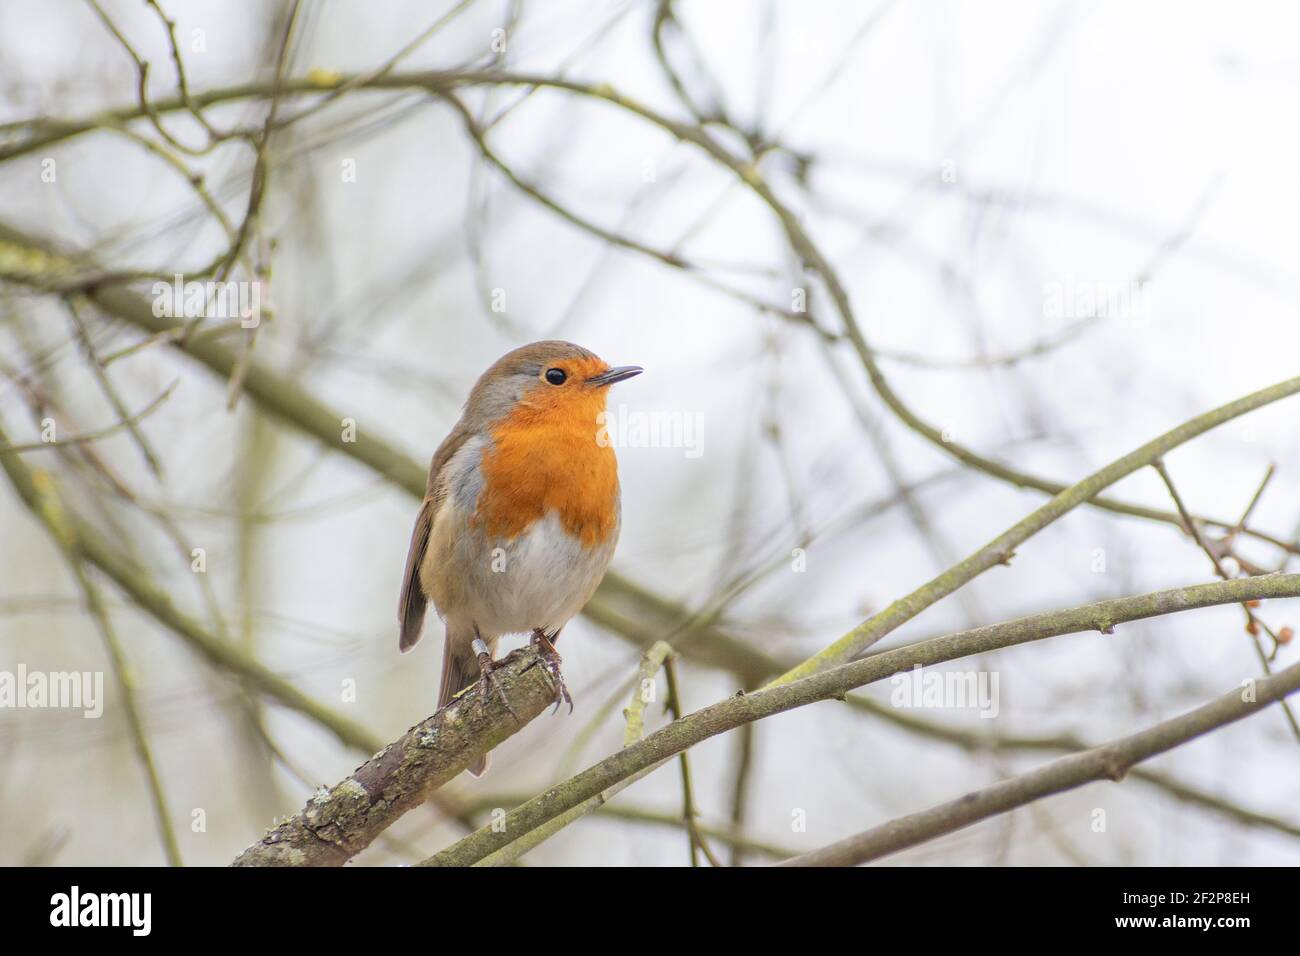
(540, 579)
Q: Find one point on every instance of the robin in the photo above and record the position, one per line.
(520, 515)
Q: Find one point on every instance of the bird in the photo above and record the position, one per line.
(520, 516)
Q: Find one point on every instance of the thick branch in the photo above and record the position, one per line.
(1107, 762)
(339, 823)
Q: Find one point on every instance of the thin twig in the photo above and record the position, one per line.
(98, 434)
(1253, 623)
(673, 705)
(51, 512)
(740, 786)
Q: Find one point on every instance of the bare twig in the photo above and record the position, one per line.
(51, 512)
(740, 786)
(689, 812)
(1253, 622)
(100, 433)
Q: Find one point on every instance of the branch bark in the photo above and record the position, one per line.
(339, 823)
(1107, 762)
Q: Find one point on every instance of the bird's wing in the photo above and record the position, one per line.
(410, 608)
(411, 605)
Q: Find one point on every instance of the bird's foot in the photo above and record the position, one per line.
(550, 660)
(488, 681)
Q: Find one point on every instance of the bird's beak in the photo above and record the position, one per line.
(615, 375)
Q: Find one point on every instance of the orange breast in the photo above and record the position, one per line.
(548, 459)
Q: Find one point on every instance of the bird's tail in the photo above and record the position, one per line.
(460, 670)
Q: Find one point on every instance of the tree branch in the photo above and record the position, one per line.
(339, 823)
(976, 740)
(1109, 761)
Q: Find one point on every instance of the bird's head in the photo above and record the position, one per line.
(550, 383)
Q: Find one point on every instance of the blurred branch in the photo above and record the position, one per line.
(731, 836)
(740, 787)
(182, 84)
(260, 143)
(45, 132)
(1107, 762)
(689, 812)
(634, 715)
(135, 583)
(126, 684)
(339, 823)
(51, 513)
(109, 391)
(976, 741)
(712, 108)
(639, 758)
(142, 78)
(96, 435)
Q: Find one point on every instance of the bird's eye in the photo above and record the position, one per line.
(556, 376)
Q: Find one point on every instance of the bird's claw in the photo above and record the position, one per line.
(550, 660)
(488, 683)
